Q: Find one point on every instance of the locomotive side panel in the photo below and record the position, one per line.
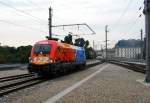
(80, 56)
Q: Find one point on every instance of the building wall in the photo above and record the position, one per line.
(128, 52)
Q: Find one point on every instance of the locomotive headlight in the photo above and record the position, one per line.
(47, 59)
(51, 61)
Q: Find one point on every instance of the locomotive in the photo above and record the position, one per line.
(50, 56)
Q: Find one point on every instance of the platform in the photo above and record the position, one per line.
(113, 85)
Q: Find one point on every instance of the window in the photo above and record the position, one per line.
(42, 48)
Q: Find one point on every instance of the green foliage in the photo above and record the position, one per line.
(14, 55)
(24, 53)
(86, 44)
(68, 39)
(90, 53)
(79, 42)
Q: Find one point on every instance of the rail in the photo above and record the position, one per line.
(13, 83)
(136, 66)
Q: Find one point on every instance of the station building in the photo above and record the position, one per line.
(131, 49)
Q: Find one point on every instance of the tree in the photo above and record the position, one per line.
(79, 42)
(14, 55)
(24, 53)
(68, 39)
(86, 44)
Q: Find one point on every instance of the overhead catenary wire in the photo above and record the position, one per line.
(122, 14)
(20, 25)
(135, 23)
(31, 2)
(93, 32)
(23, 12)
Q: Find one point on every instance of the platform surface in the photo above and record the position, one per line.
(114, 84)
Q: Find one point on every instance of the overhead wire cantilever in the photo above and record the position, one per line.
(93, 32)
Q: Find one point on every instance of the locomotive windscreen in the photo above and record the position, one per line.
(42, 48)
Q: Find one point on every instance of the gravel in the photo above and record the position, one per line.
(12, 72)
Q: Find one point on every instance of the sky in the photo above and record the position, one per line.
(24, 22)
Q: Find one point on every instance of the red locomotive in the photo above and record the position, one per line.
(50, 56)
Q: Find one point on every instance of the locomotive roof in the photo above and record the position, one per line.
(56, 42)
(46, 42)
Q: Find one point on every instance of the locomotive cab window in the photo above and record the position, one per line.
(42, 48)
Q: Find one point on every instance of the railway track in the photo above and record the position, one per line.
(17, 82)
(14, 83)
(138, 68)
(3, 79)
